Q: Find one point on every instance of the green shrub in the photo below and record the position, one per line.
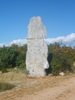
(22, 66)
(4, 70)
(20, 61)
(56, 65)
(8, 57)
(6, 86)
(59, 64)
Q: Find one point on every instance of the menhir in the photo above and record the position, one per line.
(36, 57)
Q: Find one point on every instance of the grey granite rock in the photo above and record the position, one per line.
(36, 57)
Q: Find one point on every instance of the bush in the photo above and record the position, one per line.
(56, 65)
(20, 61)
(21, 66)
(59, 64)
(8, 57)
(6, 86)
(4, 70)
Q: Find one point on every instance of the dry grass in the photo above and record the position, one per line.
(29, 86)
(32, 85)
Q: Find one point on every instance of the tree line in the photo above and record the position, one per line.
(13, 56)
(60, 58)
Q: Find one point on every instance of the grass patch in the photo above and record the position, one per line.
(6, 86)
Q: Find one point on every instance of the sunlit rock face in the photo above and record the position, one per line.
(36, 57)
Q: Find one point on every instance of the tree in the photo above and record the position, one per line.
(59, 64)
(56, 65)
(8, 57)
(20, 61)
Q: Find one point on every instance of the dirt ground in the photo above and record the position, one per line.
(48, 88)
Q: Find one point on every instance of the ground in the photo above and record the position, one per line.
(48, 88)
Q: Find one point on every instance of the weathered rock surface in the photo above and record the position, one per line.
(36, 57)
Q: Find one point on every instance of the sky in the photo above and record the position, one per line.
(58, 16)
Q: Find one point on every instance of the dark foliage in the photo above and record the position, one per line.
(11, 57)
(60, 58)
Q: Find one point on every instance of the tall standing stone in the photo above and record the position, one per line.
(36, 57)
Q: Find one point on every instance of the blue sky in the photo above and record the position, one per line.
(57, 15)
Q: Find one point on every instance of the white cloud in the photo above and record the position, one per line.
(68, 40)
(52, 40)
(70, 37)
(19, 42)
